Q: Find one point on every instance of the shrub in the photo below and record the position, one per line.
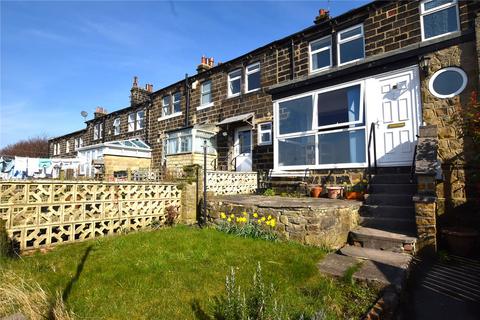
(171, 215)
(4, 243)
(269, 192)
(257, 303)
(259, 227)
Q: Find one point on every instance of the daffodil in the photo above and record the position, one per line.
(232, 216)
(222, 215)
(268, 222)
(262, 219)
(229, 219)
(273, 223)
(269, 217)
(244, 213)
(255, 215)
(259, 221)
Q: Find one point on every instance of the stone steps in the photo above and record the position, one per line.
(386, 211)
(393, 188)
(398, 241)
(389, 224)
(388, 199)
(386, 269)
(394, 178)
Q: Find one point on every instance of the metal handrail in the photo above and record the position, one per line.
(414, 160)
(371, 137)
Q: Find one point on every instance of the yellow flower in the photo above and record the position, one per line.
(269, 217)
(232, 216)
(222, 215)
(238, 219)
(244, 213)
(259, 221)
(273, 223)
(364, 181)
(229, 219)
(263, 219)
(255, 215)
(268, 222)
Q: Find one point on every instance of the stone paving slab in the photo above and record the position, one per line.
(399, 260)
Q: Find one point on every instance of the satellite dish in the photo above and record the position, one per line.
(84, 114)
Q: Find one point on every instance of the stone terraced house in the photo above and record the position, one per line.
(308, 102)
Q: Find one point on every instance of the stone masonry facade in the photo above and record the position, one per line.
(392, 30)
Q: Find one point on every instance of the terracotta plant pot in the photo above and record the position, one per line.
(461, 241)
(354, 195)
(316, 191)
(335, 192)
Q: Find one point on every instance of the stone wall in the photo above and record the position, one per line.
(326, 224)
(456, 189)
(176, 162)
(117, 163)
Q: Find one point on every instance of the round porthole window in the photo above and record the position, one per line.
(448, 82)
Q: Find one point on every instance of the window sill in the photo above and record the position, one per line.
(205, 106)
(254, 90)
(350, 62)
(265, 144)
(170, 116)
(440, 37)
(312, 72)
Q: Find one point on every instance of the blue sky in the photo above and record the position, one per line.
(61, 57)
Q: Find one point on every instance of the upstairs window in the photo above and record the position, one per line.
(351, 45)
(438, 18)
(253, 77)
(116, 126)
(97, 131)
(166, 106)
(206, 93)
(320, 54)
(234, 83)
(131, 122)
(67, 147)
(140, 120)
(78, 143)
(177, 99)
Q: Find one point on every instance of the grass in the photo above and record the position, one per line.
(176, 273)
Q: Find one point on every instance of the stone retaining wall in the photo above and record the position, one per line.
(318, 222)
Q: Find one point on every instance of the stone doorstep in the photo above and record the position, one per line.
(370, 233)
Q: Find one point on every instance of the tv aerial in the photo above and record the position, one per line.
(84, 114)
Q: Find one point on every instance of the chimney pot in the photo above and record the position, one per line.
(135, 82)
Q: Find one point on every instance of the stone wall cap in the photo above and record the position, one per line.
(424, 199)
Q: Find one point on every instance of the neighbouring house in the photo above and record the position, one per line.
(308, 102)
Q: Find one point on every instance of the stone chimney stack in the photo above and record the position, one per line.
(139, 95)
(323, 15)
(99, 112)
(205, 64)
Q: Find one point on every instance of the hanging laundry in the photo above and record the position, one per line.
(32, 166)
(46, 165)
(20, 169)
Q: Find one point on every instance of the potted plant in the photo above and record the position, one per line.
(316, 191)
(356, 191)
(335, 192)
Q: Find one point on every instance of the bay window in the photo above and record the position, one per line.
(188, 141)
(320, 129)
(438, 18)
(350, 45)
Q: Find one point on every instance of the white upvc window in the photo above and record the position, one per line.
(131, 122)
(67, 146)
(75, 144)
(253, 77)
(80, 142)
(206, 94)
(55, 149)
(350, 45)
(265, 133)
(97, 131)
(234, 83)
(177, 100)
(166, 106)
(320, 53)
(140, 120)
(321, 129)
(188, 141)
(116, 126)
(438, 18)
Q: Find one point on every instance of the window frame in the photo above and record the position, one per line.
(131, 122)
(424, 13)
(311, 53)
(260, 142)
(116, 125)
(276, 136)
(247, 73)
(67, 146)
(138, 119)
(166, 106)
(173, 102)
(439, 72)
(230, 79)
(97, 131)
(202, 93)
(355, 37)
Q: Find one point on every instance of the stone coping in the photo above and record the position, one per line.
(286, 202)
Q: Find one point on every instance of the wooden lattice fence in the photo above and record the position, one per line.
(230, 182)
(45, 213)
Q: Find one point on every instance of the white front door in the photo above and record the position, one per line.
(396, 112)
(243, 149)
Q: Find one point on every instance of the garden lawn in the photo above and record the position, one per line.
(176, 273)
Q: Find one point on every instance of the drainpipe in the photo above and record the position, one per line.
(187, 101)
(292, 60)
